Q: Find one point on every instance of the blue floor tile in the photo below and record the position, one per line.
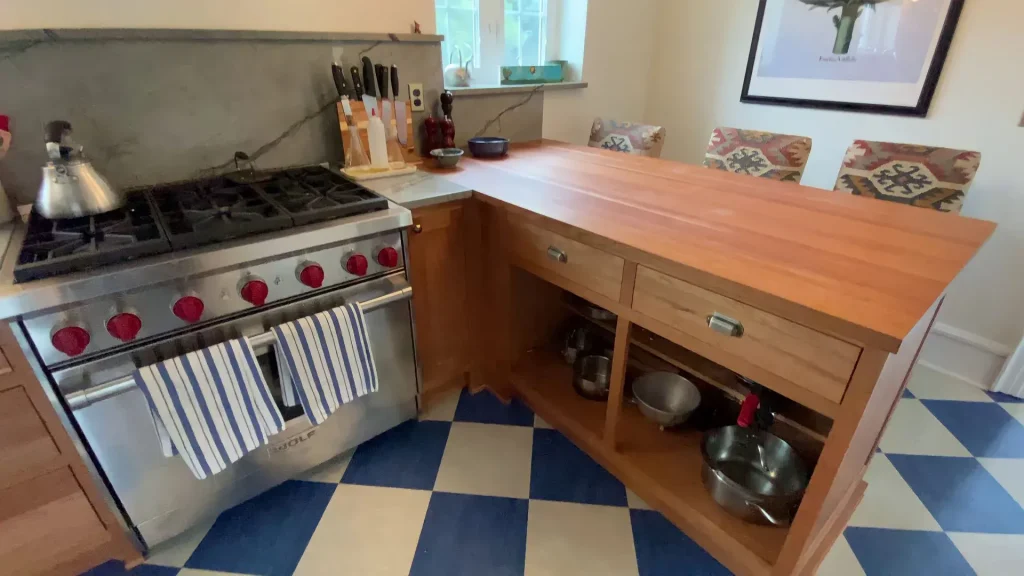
(908, 394)
(561, 471)
(116, 568)
(960, 494)
(407, 456)
(884, 552)
(485, 408)
(267, 535)
(986, 429)
(1006, 398)
(472, 535)
(662, 550)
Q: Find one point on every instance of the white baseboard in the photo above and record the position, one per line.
(1011, 381)
(969, 358)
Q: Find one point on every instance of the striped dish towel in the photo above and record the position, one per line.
(328, 360)
(211, 406)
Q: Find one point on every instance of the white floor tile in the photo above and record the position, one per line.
(991, 554)
(564, 539)
(840, 561)
(539, 422)
(486, 459)
(1015, 410)
(634, 501)
(176, 551)
(915, 430)
(443, 408)
(927, 384)
(366, 530)
(330, 471)
(1009, 472)
(889, 502)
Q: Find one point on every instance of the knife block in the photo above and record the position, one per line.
(362, 121)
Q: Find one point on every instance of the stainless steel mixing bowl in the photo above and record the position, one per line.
(666, 398)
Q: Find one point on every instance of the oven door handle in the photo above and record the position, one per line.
(83, 398)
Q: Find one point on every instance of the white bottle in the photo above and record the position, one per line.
(378, 142)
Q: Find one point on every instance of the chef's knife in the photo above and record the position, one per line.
(382, 85)
(339, 81)
(369, 84)
(399, 106)
(357, 82)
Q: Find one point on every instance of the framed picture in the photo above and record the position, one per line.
(882, 56)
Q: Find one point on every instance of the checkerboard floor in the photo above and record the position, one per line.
(477, 487)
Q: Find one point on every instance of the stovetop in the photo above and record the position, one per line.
(167, 218)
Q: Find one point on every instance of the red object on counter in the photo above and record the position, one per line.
(189, 308)
(71, 340)
(124, 326)
(388, 257)
(747, 411)
(357, 265)
(5, 123)
(312, 275)
(255, 292)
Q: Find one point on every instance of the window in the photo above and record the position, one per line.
(493, 33)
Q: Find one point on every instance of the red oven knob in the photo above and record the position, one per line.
(356, 264)
(311, 274)
(388, 257)
(124, 326)
(71, 340)
(188, 308)
(254, 291)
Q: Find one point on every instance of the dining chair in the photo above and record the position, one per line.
(925, 176)
(629, 137)
(755, 153)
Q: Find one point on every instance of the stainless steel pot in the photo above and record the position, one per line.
(591, 375)
(666, 398)
(754, 475)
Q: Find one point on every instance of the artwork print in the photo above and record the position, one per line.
(869, 55)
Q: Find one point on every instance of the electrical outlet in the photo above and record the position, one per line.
(416, 97)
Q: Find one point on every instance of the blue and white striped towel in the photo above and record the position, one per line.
(212, 406)
(328, 360)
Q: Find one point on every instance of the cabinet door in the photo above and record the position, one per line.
(437, 271)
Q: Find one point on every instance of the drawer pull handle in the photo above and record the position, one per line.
(557, 255)
(724, 325)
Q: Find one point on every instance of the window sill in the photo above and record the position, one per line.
(514, 89)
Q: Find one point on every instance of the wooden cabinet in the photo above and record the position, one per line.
(438, 274)
(53, 518)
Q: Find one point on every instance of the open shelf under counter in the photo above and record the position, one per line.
(662, 467)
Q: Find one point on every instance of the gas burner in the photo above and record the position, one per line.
(314, 194)
(54, 247)
(211, 211)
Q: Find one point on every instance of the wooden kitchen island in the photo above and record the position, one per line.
(834, 295)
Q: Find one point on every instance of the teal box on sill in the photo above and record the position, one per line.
(544, 74)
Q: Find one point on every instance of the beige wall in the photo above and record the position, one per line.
(616, 64)
(291, 15)
(695, 83)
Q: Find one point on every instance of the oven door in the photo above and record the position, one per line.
(160, 495)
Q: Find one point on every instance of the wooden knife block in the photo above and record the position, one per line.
(362, 121)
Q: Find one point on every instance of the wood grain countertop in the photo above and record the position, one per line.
(862, 269)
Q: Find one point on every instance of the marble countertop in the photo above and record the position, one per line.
(418, 189)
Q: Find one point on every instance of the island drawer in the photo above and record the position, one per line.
(579, 263)
(730, 330)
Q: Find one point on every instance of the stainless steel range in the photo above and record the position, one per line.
(188, 265)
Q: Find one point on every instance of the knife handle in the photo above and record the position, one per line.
(368, 79)
(357, 83)
(382, 80)
(339, 80)
(395, 86)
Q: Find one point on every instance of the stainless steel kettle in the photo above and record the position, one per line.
(71, 186)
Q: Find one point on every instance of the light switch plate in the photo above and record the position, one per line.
(416, 97)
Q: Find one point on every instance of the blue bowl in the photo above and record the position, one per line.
(488, 146)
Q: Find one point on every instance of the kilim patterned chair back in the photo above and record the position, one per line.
(924, 176)
(639, 139)
(763, 154)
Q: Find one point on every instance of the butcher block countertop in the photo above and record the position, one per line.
(862, 269)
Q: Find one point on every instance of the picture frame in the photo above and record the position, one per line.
(802, 70)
